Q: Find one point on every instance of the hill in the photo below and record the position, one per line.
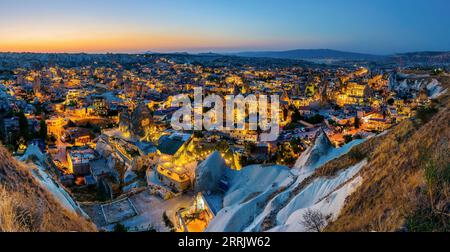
(406, 180)
(26, 206)
(323, 55)
(425, 58)
(397, 180)
(309, 54)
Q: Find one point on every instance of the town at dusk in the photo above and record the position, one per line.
(197, 116)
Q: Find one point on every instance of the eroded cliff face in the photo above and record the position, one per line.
(406, 181)
(26, 206)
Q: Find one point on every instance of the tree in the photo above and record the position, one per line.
(348, 138)
(120, 228)
(333, 122)
(222, 146)
(296, 116)
(250, 147)
(357, 122)
(390, 101)
(315, 119)
(313, 220)
(198, 134)
(284, 154)
(42, 134)
(23, 126)
(424, 114)
(168, 222)
(296, 145)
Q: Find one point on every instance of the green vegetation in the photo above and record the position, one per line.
(390, 101)
(333, 123)
(356, 154)
(168, 222)
(433, 213)
(23, 126)
(296, 145)
(315, 119)
(357, 122)
(424, 114)
(120, 228)
(250, 147)
(150, 229)
(348, 138)
(285, 154)
(42, 134)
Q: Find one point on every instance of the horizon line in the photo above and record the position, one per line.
(226, 53)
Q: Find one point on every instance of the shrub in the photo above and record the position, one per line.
(314, 220)
(356, 154)
(168, 222)
(120, 228)
(424, 114)
(348, 138)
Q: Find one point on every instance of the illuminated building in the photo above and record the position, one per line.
(100, 106)
(197, 217)
(55, 126)
(375, 122)
(353, 93)
(72, 96)
(176, 177)
(78, 160)
(361, 71)
(77, 136)
(377, 82)
(170, 169)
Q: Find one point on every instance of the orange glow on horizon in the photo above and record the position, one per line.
(73, 36)
(107, 42)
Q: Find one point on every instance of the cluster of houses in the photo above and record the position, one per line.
(108, 126)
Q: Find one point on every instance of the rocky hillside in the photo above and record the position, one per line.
(26, 206)
(398, 180)
(406, 180)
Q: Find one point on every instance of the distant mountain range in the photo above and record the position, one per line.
(423, 57)
(328, 54)
(312, 54)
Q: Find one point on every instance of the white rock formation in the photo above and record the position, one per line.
(209, 173)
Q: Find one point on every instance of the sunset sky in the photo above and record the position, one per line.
(381, 26)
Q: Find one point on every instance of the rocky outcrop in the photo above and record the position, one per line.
(209, 173)
(321, 147)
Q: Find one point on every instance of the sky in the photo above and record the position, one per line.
(134, 26)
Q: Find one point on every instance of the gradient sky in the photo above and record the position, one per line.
(379, 26)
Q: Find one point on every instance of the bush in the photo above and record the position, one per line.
(150, 229)
(314, 220)
(168, 222)
(120, 228)
(348, 138)
(424, 114)
(432, 214)
(356, 154)
(315, 119)
(424, 220)
(198, 134)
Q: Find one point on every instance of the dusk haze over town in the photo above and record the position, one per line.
(235, 119)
